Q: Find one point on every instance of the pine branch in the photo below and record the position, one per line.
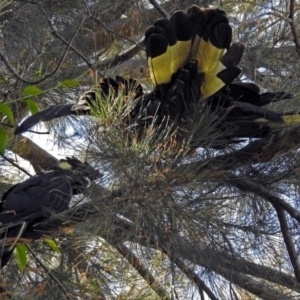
(124, 231)
(260, 151)
(142, 270)
(245, 184)
(48, 272)
(289, 243)
(190, 274)
(293, 27)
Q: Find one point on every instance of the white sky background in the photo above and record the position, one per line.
(46, 142)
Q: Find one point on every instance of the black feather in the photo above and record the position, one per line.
(36, 198)
(48, 114)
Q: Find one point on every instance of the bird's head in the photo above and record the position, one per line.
(80, 174)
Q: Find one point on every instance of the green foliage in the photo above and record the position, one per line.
(20, 254)
(32, 90)
(5, 109)
(3, 141)
(53, 245)
(69, 83)
(32, 106)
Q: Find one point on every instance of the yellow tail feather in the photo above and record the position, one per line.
(291, 119)
(168, 45)
(199, 34)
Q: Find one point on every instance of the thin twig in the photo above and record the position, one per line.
(288, 241)
(118, 59)
(11, 69)
(48, 272)
(38, 132)
(173, 271)
(142, 270)
(245, 184)
(15, 165)
(271, 13)
(196, 279)
(160, 9)
(278, 15)
(56, 34)
(293, 26)
(116, 33)
(190, 274)
(6, 125)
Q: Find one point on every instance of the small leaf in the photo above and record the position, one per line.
(32, 106)
(53, 245)
(69, 83)
(32, 90)
(4, 108)
(3, 141)
(21, 256)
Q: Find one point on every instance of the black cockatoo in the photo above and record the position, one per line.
(37, 198)
(203, 35)
(191, 59)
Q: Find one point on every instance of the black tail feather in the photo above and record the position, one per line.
(50, 113)
(244, 110)
(107, 87)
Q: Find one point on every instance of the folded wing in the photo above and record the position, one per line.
(37, 198)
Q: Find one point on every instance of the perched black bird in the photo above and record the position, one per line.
(192, 61)
(37, 198)
(201, 35)
(238, 110)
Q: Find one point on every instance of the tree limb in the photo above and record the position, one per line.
(122, 231)
(259, 151)
(288, 241)
(37, 156)
(158, 7)
(222, 264)
(254, 286)
(293, 27)
(190, 274)
(142, 270)
(245, 184)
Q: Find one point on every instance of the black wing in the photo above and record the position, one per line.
(35, 199)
